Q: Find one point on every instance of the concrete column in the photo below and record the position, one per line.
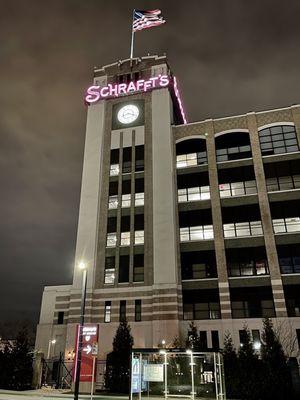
(276, 281)
(217, 222)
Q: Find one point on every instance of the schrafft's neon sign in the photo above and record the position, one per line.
(96, 93)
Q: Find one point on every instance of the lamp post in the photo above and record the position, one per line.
(164, 353)
(190, 352)
(51, 341)
(82, 266)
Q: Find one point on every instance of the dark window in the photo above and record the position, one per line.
(243, 337)
(255, 336)
(138, 310)
(292, 298)
(139, 158)
(107, 311)
(289, 258)
(278, 140)
(247, 261)
(198, 265)
(125, 223)
(191, 152)
(113, 188)
(114, 156)
(111, 225)
(233, 146)
(122, 310)
(124, 269)
(203, 340)
(215, 340)
(110, 262)
(126, 167)
(126, 186)
(139, 185)
(138, 268)
(139, 222)
(252, 302)
(60, 318)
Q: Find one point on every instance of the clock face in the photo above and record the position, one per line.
(128, 114)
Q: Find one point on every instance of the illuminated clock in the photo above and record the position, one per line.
(128, 114)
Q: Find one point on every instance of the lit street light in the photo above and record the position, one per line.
(83, 267)
(51, 341)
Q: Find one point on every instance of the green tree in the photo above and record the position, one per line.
(118, 361)
(250, 369)
(21, 360)
(277, 376)
(230, 367)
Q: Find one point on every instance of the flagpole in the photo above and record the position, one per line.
(132, 36)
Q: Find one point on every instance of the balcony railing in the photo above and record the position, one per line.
(191, 159)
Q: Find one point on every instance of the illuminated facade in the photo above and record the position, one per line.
(180, 221)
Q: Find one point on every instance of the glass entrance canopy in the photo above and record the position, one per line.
(176, 373)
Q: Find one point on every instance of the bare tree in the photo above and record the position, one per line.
(286, 333)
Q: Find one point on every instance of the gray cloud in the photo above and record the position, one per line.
(230, 57)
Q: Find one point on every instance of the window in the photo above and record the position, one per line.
(196, 233)
(237, 188)
(112, 202)
(209, 310)
(240, 229)
(139, 199)
(139, 237)
(256, 336)
(215, 340)
(124, 269)
(125, 238)
(203, 340)
(247, 261)
(126, 200)
(60, 317)
(289, 259)
(122, 317)
(126, 166)
(243, 337)
(138, 310)
(278, 139)
(139, 158)
(138, 268)
(109, 273)
(298, 337)
(286, 225)
(190, 160)
(111, 240)
(114, 162)
(193, 194)
(107, 311)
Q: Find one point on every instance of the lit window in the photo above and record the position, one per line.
(113, 202)
(111, 240)
(125, 238)
(139, 237)
(114, 169)
(107, 311)
(126, 200)
(109, 276)
(139, 199)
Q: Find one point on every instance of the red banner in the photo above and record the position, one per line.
(89, 340)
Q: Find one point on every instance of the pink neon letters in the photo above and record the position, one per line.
(96, 93)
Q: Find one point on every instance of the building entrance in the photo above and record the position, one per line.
(177, 374)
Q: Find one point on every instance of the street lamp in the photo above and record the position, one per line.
(164, 353)
(51, 341)
(190, 352)
(83, 267)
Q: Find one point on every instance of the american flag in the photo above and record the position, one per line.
(146, 19)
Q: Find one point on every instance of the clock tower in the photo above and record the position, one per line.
(127, 218)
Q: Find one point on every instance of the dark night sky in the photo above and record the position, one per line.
(230, 57)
